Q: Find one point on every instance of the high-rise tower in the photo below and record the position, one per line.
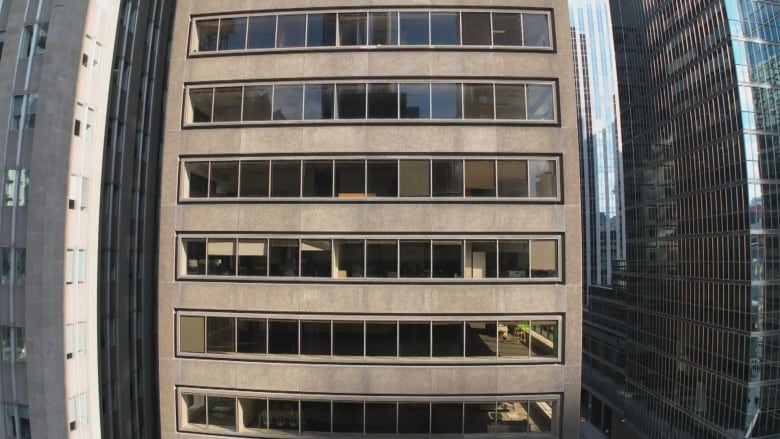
(370, 220)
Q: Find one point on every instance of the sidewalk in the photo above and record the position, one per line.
(589, 431)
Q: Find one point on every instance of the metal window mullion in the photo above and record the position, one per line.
(300, 274)
(430, 260)
(300, 194)
(463, 336)
(398, 178)
(495, 178)
(267, 334)
(397, 339)
(462, 100)
(365, 275)
(430, 30)
(492, 44)
(305, 42)
(497, 337)
(365, 338)
(530, 257)
(365, 195)
(398, 101)
(525, 90)
(463, 177)
(460, 27)
(332, 338)
(213, 99)
(246, 33)
(276, 31)
(495, 102)
(430, 338)
(366, 101)
(303, 103)
(430, 100)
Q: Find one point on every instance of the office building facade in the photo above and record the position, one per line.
(81, 84)
(698, 86)
(604, 246)
(370, 221)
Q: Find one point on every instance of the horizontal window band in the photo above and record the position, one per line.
(384, 102)
(517, 29)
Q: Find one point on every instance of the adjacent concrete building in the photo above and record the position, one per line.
(370, 220)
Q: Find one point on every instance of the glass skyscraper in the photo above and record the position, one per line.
(699, 83)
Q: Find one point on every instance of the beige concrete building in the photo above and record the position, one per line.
(370, 220)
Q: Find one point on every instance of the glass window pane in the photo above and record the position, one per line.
(291, 31)
(415, 101)
(317, 178)
(507, 29)
(232, 33)
(476, 28)
(207, 31)
(510, 101)
(536, 30)
(381, 259)
(513, 258)
(349, 258)
(544, 338)
(262, 32)
(382, 101)
(513, 340)
(348, 338)
(446, 418)
(200, 104)
(285, 178)
(251, 335)
(445, 28)
(350, 178)
(512, 178)
(541, 415)
(447, 178)
(195, 251)
(318, 101)
(380, 417)
(414, 339)
(224, 179)
(383, 30)
(352, 29)
(480, 259)
(351, 101)
(315, 337)
(414, 418)
(252, 257)
(283, 337)
(347, 417)
(414, 178)
(316, 258)
(447, 259)
(220, 334)
(382, 178)
(198, 177)
(254, 179)
(315, 416)
(283, 416)
(478, 101)
(257, 102)
(415, 258)
(446, 101)
(478, 417)
(288, 102)
(481, 339)
(414, 28)
(283, 257)
(513, 416)
(480, 178)
(540, 102)
(227, 104)
(254, 414)
(381, 339)
(544, 182)
(447, 339)
(195, 408)
(192, 331)
(321, 30)
(221, 257)
(544, 262)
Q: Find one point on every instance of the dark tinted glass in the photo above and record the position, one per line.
(512, 178)
(220, 334)
(415, 258)
(510, 101)
(383, 29)
(318, 101)
(447, 339)
(347, 417)
(283, 257)
(413, 418)
(315, 416)
(381, 339)
(317, 178)
(536, 30)
(224, 179)
(415, 100)
(447, 178)
(315, 338)
(200, 103)
(316, 258)
(446, 418)
(207, 31)
(322, 30)
(283, 337)
(262, 32)
(251, 336)
(227, 104)
(254, 179)
(476, 28)
(414, 28)
(507, 29)
(198, 175)
(257, 102)
(382, 101)
(478, 101)
(480, 178)
(382, 178)
(350, 178)
(479, 417)
(285, 178)
(414, 339)
(380, 417)
(447, 259)
(446, 101)
(252, 257)
(351, 101)
(288, 102)
(291, 31)
(540, 102)
(352, 29)
(348, 338)
(232, 33)
(445, 28)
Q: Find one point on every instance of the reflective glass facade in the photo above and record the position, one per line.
(698, 85)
